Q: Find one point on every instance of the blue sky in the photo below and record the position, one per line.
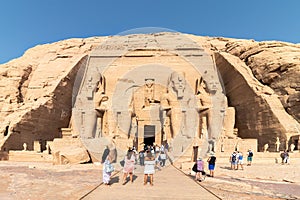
(27, 23)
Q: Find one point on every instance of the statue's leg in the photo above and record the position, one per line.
(90, 122)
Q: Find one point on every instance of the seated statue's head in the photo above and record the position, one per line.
(149, 82)
(177, 82)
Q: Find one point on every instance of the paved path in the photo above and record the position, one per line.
(169, 183)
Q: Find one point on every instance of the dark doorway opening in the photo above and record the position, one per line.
(149, 134)
(296, 144)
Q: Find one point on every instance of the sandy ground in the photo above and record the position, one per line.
(23, 180)
(263, 180)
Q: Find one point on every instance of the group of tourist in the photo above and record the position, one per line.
(285, 157)
(198, 167)
(148, 161)
(236, 159)
(151, 157)
(159, 152)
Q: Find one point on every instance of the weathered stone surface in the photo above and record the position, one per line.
(276, 64)
(273, 63)
(68, 151)
(261, 114)
(142, 105)
(229, 122)
(36, 89)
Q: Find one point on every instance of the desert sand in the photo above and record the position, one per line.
(264, 179)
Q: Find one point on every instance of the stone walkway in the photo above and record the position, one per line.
(169, 183)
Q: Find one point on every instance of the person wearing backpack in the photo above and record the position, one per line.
(211, 164)
(233, 160)
(249, 157)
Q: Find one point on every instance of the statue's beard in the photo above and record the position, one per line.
(180, 93)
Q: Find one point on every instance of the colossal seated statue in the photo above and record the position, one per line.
(177, 104)
(204, 103)
(101, 105)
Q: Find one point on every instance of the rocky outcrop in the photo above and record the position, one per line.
(260, 112)
(68, 151)
(276, 64)
(36, 91)
(272, 63)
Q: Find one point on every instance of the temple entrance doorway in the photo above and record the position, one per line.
(149, 134)
(296, 143)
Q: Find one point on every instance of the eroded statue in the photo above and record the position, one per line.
(101, 106)
(204, 104)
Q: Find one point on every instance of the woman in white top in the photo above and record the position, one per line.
(149, 169)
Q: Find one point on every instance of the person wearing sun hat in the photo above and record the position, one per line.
(211, 163)
(199, 169)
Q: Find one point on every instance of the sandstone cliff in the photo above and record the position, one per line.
(36, 89)
(273, 63)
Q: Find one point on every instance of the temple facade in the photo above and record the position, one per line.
(151, 89)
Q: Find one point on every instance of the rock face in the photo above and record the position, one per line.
(275, 64)
(261, 114)
(36, 92)
(262, 82)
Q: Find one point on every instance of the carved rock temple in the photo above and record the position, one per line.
(141, 90)
(74, 98)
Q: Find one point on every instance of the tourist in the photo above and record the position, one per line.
(107, 170)
(240, 160)
(105, 154)
(152, 149)
(142, 157)
(199, 169)
(282, 155)
(145, 147)
(249, 157)
(233, 160)
(135, 153)
(211, 164)
(149, 169)
(128, 166)
(285, 157)
(157, 148)
(157, 160)
(162, 148)
(134, 150)
(167, 146)
(163, 157)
